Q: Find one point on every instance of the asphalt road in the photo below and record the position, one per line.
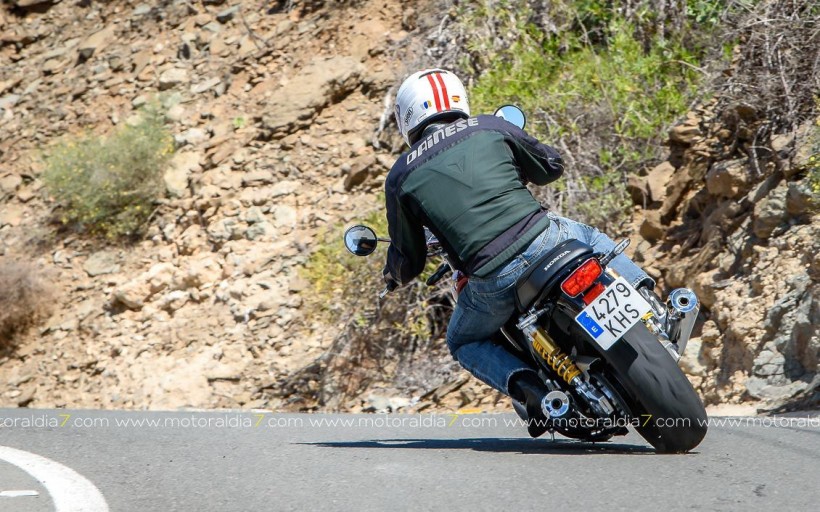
(242, 461)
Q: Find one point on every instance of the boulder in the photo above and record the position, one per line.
(178, 172)
(636, 186)
(205, 270)
(728, 178)
(9, 183)
(770, 212)
(172, 77)
(101, 263)
(192, 240)
(225, 230)
(33, 4)
(684, 134)
(160, 276)
(799, 198)
(96, 42)
(132, 295)
(261, 232)
(359, 171)
(651, 227)
(11, 215)
(657, 180)
(256, 178)
(320, 83)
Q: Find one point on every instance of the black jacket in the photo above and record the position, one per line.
(466, 182)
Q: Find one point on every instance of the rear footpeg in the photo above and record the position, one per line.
(555, 405)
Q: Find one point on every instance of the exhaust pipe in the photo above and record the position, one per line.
(683, 307)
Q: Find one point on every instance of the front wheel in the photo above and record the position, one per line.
(667, 410)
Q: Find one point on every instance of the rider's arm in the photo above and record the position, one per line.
(408, 250)
(539, 163)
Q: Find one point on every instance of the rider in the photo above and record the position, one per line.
(465, 179)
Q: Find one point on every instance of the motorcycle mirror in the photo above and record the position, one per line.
(512, 114)
(360, 240)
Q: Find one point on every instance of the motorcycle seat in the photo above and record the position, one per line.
(547, 271)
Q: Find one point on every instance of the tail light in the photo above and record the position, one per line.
(593, 293)
(582, 278)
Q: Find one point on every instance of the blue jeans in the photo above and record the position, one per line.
(486, 304)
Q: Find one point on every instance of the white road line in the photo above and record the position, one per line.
(69, 490)
(17, 494)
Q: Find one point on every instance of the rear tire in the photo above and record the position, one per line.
(670, 414)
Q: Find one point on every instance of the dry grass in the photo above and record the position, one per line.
(25, 299)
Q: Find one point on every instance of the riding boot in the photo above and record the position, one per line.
(527, 388)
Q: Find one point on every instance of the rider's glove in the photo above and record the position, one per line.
(391, 283)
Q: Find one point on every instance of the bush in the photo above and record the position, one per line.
(377, 340)
(107, 185)
(599, 80)
(25, 299)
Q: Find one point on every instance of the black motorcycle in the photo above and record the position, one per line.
(607, 352)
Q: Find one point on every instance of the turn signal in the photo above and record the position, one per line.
(583, 277)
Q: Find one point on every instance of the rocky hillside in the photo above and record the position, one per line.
(275, 113)
(281, 119)
(741, 228)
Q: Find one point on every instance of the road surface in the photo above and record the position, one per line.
(242, 461)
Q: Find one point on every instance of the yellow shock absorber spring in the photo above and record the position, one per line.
(558, 361)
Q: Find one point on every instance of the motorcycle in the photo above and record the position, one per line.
(607, 352)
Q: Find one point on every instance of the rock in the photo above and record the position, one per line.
(96, 42)
(205, 270)
(770, 212)
(651, 227)
(320, 83)
(284, 188)
(172, 77)
(178, 172)
(9, 183)
(8, 101)
(359, 171)
(684, 134)
(206, 85)
(101, 263)
(225, 230)
(32, 4)
(132, 295)
(141, 10)
(728, 178)
(174, 300)
(636, 187)
(192, 240)
(284, 216)
(261, 231)
(690, 362)
(745, 112)
(192, 136)
(227, 15)
(11, 215)
(657, 180)
(160, 276)
(254, 215)
(256, 178)
(799, 198)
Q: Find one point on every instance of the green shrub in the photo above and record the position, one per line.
(107, 185)
(600, 82)
(374, 340)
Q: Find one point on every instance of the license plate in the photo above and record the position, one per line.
(613, 313)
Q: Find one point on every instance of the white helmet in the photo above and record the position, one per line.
(426, 96)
